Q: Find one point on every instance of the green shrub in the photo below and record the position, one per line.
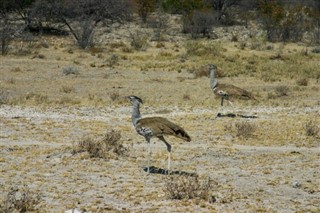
(198, 48)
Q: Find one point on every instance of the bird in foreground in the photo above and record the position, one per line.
(150, 127)
(227, 91)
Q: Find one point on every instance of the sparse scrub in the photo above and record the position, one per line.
(70, 71)
(139, 41)
(67, 89)
(311, 129)
(316, 50)
(30, 98)
(113, 60)
(114, 96)
(199, 48)
(102, 147)
(282, 90)
(189, 187)
(20, 200)
(245, 129)
(199, 23)
(302, 82)
(4, 96)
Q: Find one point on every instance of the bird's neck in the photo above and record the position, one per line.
(213, 81)
(135, 113)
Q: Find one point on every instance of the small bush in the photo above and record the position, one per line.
(4, 96)
(139, 41)
(282, 90)
(302, 82)
(311, 129)
(188, 187)
(198, 48)
(70, 71)
(245, 129)
(113, 60)
(199, 23)
(103, 147)
(67, 89)
(114, 96)
(316, 50)
(20, 200)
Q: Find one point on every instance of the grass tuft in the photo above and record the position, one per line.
(302, 82)
(311, 129)
(70, 71)
(20, 200)
(198, 48)
(245, 129)
(103, 147)
(282, 90)
(188, 187)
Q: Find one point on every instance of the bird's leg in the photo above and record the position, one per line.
(169, 151)
(149, 154)
(222, 108)
(231, 104)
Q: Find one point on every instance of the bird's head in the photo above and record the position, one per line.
(134, 99)
(212, 67)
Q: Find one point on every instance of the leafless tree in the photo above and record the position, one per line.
(82, 16)
(221, 6)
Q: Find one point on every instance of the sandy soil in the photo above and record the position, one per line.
(36, 150)
(46, 113)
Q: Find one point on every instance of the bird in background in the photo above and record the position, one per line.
(227, 91)
(158, 127)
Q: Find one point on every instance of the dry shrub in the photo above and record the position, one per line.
(114, 95)
(189, 187)
(67, 89)
(102, 147)
(4, 96)
(282, 90)
(20, 200)
(302, 82)
(245, 129)
(113, 60)
(139, 41)
(198, 48)
(115, 45)
(311, 129)
(70, 71)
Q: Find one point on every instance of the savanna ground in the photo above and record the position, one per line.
(54, 95)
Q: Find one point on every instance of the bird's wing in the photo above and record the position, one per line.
(162, 126)
(231, 90)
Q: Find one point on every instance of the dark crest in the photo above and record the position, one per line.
(212, 66)
(133, 97)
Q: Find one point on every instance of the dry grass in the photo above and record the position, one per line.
(189, 187)
(20, 200)
(70, 71)
(102, 147)
(311, 129)
(282, 90)
(302, 82)
(245, 129)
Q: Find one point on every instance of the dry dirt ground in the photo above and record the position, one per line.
(275, 168)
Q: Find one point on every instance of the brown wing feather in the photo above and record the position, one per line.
(162, 126)
(234, 91)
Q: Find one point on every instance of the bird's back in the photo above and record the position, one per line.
(233, 91)
(161, 126)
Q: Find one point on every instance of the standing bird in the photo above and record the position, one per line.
(226, 91)
(155, 127)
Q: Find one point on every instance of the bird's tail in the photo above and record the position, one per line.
(180, 133)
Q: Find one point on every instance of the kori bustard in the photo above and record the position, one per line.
(150, 127)
(227, 91)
